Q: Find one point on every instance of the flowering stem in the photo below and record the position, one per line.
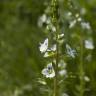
(56, 67)
(55, 23)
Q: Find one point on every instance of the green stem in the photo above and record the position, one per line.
(54, 6)
(81, 68)
(56, 66)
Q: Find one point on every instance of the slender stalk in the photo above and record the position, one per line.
(81, 68)
(56, 67)
(55, 23)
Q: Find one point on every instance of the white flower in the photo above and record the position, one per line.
(62, 64)
(79, 19)
(77, 15)
(45, 71)
(42, 19)
(69, 13)
(63, 72)
(86, 78)
(72, 24)
(43, 47)
(53, 48)
(89, 44)
(53, 29)
(85, 25)
(48, 72)
(70, 51)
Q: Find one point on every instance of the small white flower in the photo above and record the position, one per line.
(42, 19)
(89, 44)
(45, 71)
(69, 13)
(63, 72)
(62, 64)
(70, 51)
(53, 48)
(48, 72)
(43, 47)
(79, 19)
(72, 24)
(85, 25)
(77, 15)
(86, 78)
(53, 29)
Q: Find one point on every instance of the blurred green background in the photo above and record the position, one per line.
(20, 59)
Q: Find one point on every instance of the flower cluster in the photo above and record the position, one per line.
(48, 71)
(50, 45)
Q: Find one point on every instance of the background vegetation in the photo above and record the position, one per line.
(20, 59)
